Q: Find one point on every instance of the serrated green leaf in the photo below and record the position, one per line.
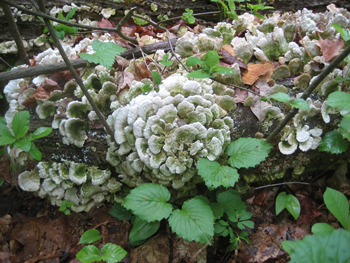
(4, 140)
(300, 104)
(345, 124)
(218, 210)
(202, 198)
(195, 221)
(248, 223)
(245, 215)
(23, 144)
(321, 228)
(119, 212)
(231, 202)
(89, 254)
(40, 132)
(339, 99)
(215, 175)
(322, 248)
(142, 230)
(248, 152)
(4, 130)
(199, 74)
(90, 236)
(105, 53)
(338, 205)
(280, 96)
(220, 229)
(290, 202)
(157, 79)
(35, 153)
(333, 142)
(149, 202)
(111, 253)
(191, 61)
(19, 122)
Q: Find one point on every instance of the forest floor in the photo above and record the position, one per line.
(31, 230)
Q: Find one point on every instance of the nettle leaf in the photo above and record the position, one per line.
(23, 144)
(195, 221)
(280, 96)
(40, 132)
(339, 99)
(105, 53)
(231, 202)
(141, 230)
(321, 228)
(19, 122)
(333, 142)
(119, 212)
(247, 152)
(199, 74)
(218, 210)
(290, 202)
(216, 175)
(149, 202)
(112, 253)
(320, 248)
(338, 205)
(90, 236)
(300, 104)
(89, 254)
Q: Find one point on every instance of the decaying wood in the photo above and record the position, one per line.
(78, 63)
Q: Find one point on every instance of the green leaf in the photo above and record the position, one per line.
(223, 70)
(199, 74)
(290, 202)
(157, 79)
(141, 230)
(23, 144)
(111, 253)
(248, 152)
(70, 14)
(245, 215)
(345, 124)
(63, 205)
(300, 104)
(338, 205)
(280, 96)
(321, 228)
(211, 60)
(35, 153)
(69, 204)
(89, 254)
(339, 99)
(119, 212)
(66, 212)
(216, 175)
(248, 223)
(40, 132)
(220, 229)
(288, 245)
(191, 61)
(19, 122)
(231, 202)
(343, 32)
(166, 63)
(4, 130)
(4, 140)
(194, 222)
(60, 34)
(333, 142)
(90, 236)
(218, 210)
(149, 202)
(105, 53)
(146, 88)
(3, 151)
(322, 248)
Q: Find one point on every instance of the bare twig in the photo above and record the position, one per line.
(236, 86)
(74, 73)
(122, 22)
(199, 251)
(286, 183)
(309, 90)
(4, 61)
(197, 14)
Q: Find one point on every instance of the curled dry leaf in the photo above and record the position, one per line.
(331, 48)
(125, 79)
(228, 53)
(142, 72)
(254, 71)
(40, 93)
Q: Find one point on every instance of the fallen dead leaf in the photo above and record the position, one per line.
(308, 210)
(254, 71)
(40, 93)
(331, 48)
(125, 79)
(240, 95)
(228, 56)
(258, 105)
(141, 72)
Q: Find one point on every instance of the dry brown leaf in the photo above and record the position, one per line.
(229, 49)
(255, 71)
(124, 80)
(142, 72)
(40, 93)
(240, 95)
(258, 105)
(331, 48)
(120, 63)
(228, 58)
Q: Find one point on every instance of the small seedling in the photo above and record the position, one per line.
(290, 202)
(188, 16)
(65, 207)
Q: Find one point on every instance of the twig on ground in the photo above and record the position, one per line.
(286, 183)
(199, 251)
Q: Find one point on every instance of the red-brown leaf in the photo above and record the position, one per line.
(330, 48)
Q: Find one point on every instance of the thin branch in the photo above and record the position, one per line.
(74, 73)
(122, 22)
(67, 23)
(197, 14)
(286, 183)
(309, 90)
(238, 87)
(167, 34)
(199, 251)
